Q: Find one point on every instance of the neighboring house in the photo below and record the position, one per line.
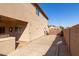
(54, 30)
(24, 21)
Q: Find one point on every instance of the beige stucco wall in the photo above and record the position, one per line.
(27, 13)
(38, 25)
(7, 45)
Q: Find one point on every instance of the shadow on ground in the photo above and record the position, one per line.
(2, 55)
(58, 47)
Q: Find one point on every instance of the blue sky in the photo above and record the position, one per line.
(61, 14)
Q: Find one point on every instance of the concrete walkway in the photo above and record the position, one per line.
(37, 47)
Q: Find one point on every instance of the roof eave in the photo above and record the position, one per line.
(37, 6)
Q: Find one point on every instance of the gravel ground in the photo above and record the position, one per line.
(58, 48)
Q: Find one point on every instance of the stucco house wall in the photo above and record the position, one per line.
(26, 13)
(7, 45)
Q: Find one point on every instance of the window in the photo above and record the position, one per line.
(2, 30)
(37, 12)
(18, 29)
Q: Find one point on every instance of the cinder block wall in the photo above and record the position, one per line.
(74, 40)
(54, 32)
(7, 45)
(66, 36)
(71, 37)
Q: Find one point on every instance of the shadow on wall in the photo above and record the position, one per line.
(18, 35)
(18, 30)
(58, 47)
(13, 27)
(2, 55)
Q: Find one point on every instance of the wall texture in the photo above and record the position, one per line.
(27, 13)
(66, 36)
(72, 39)
(7, 45)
